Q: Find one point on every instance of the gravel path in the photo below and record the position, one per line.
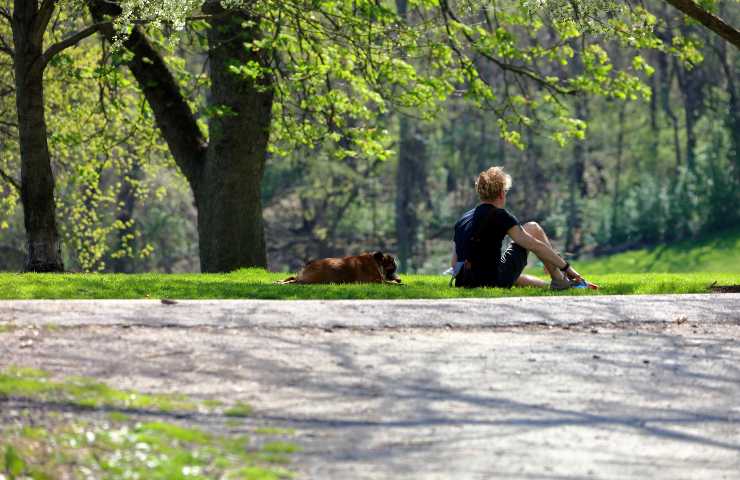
(563, 387)
(470, 313)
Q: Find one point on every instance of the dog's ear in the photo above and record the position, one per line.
(378, 256)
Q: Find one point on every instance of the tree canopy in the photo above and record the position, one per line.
(330, 76)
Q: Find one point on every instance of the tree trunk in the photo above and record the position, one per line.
(224, 174)
(574, 240)
(691, 117)
(616, 229)
(228, 196)
(655, 137)
(37, 180)
(410, 178)
(531, 178)
(732, 119)
(666, 79)
(126, 198)
(410, 187)
(690, 82)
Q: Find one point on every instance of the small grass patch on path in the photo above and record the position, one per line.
(55, 429)
(85, 392)
(258, 284)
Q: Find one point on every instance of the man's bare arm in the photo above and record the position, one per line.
(542, 250)
(539, 248)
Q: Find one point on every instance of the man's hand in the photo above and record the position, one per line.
(576, 277)
(572, 274)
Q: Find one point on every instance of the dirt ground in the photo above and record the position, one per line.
(639, 400)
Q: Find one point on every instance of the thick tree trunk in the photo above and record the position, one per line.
(225, 174)
(37, 180)
(228, 197)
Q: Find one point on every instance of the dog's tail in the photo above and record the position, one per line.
(287, 281)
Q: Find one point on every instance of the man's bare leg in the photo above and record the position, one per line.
(530, 281)
(534, 229)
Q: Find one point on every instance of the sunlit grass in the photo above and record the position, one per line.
(684, 267)
(258, 284)
(712, 253)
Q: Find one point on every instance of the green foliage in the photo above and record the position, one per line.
(103, 147)
(9, 147)
(517, 62)
(342, 71)
(102, 141)
(338, 65)
(679, 207)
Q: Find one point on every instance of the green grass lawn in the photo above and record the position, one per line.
(256, 283)
(713, 253)
(687, 267)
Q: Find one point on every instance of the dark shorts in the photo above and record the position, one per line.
(512, 264)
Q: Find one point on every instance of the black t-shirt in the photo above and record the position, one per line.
(484, 254)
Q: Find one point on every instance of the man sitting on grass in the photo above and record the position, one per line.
(477, 260)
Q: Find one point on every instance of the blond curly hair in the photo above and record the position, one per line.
(491, 183)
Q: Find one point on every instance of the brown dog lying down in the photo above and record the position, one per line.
(366, 268)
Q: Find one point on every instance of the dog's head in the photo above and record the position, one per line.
(388, 265)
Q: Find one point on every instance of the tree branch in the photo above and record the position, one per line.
(5, 13)
(70, 41)
(172, 113)
(46, 10)
(5, 47)
(447, 11)
(709, 20)
(13, 182)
